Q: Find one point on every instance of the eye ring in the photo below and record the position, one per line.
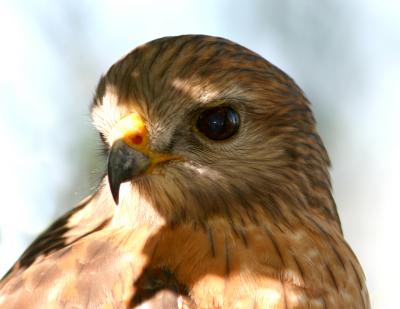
(218, 123)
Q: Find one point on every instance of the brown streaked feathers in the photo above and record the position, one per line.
(248, 222)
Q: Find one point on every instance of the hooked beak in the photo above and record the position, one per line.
(124, 163)
(130, 156)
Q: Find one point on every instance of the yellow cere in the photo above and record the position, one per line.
(132, 130)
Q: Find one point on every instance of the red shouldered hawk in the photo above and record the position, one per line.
(217, 194)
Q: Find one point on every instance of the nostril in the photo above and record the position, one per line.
(136, 139)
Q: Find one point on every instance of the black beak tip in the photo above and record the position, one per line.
(115, 192)
(114, 183)
(124, 163)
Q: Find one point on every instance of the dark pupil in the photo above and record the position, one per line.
(218, 123)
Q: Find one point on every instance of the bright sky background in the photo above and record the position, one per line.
(345, 56)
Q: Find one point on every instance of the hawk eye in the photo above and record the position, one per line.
(218, 123)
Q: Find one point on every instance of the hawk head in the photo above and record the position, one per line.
(222, 190)
(198, 126)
